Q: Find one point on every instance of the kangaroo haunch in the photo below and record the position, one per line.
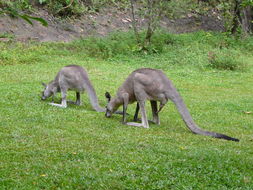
(151, 84)
(71, 77)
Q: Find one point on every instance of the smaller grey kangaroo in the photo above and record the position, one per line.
(151, 84)
(71, 77)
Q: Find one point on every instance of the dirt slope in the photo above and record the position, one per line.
(100, 24)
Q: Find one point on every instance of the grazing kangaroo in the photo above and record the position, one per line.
(151, 84)
(71, 77)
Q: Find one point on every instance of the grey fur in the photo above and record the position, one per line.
(71, 77)
(151, 84)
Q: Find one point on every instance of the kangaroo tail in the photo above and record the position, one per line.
(93, 97)
(178, 101)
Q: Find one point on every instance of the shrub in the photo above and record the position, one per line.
(16, 5)
(121, 43)
(17, 53)
(226, 60)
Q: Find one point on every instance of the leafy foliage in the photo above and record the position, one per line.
(121, 44)
(172, 9)
(246, 3)
(12, 9)
(25, 17)
(63, 8)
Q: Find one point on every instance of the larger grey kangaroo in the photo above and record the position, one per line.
(71, 77)
(151, 84)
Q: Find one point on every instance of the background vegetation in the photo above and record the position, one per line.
(237, 14)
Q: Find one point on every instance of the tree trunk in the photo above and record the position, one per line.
(236, 15)
(150, 22)
(134, 24)
(243, 17)
(247, 17)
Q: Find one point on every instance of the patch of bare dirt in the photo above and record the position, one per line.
(99, 24)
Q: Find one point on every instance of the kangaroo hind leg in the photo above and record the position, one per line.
(155, 120)
(78, 100)
(144, 120)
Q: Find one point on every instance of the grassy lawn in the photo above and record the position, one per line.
(45, 147)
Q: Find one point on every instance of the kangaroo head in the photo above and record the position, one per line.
(48, 91)
(113, 105)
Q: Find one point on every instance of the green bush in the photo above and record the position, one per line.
(63, 8)
(7, 35)
(121, 43)
(17, 5)
(17, 53)
(226, 60)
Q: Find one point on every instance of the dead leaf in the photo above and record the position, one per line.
(124, 20)
(247, 179)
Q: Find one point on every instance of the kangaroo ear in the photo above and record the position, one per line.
(43, 84)
(108, 96)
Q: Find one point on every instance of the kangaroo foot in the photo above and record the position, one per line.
(135, 124)
(58, 105)
(75, 103)
(150, 121)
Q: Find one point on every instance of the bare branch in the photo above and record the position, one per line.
(66, 6)
(134, 24)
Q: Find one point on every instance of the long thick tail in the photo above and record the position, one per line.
(178, 101)
(93, 97)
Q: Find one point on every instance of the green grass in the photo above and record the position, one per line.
(44, 147)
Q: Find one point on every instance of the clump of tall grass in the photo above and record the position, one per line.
(226, 60)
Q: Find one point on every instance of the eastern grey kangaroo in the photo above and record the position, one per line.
(71, 77)
(151, 84)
